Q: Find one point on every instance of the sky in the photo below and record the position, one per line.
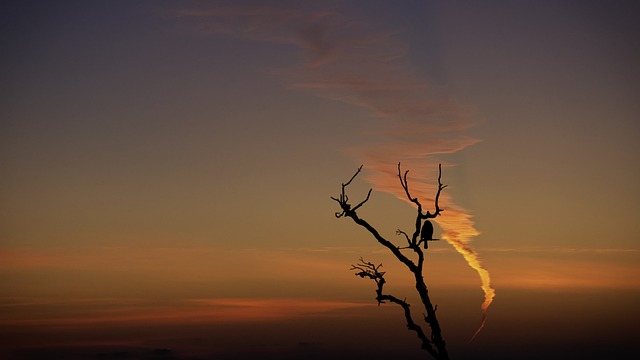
(167, 172)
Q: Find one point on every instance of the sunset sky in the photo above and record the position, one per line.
(167, 168)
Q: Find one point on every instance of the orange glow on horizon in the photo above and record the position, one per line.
(190, 311)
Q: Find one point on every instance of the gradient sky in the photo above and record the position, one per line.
(167, 170)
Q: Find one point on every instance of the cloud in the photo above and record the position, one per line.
(365, 65)
(177, 272)
(61, 312)
(361, 64)
(310, 31)
(566, 272)
(547, 250)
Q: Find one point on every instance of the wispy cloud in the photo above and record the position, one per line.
(189, 311)
(176, 272)
(567, 273)
(308, 30)
(553, 250)
(365, 65)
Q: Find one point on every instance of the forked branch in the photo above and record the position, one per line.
(348, 211)
(435, 344)
(405, 185)
(343, 199)
(369, 270)
(420, 215)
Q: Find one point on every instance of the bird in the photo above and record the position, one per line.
(426, 233)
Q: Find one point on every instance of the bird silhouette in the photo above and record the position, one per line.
(426, 233)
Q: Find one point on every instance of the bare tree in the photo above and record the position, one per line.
(434, 343)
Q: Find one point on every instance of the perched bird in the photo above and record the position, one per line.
(426, 234)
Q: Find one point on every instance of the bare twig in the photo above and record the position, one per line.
(429, 215)
(400, 232)
(363, 201)
(343, 199)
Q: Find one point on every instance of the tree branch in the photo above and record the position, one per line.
(435, 345)
(363, 201)
(372, 271)
(428, 215)
(343, 201)
(400, 232)
(405, 186)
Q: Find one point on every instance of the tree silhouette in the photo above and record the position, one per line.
(434, 343)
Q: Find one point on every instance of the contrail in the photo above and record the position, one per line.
(459, 230)
(355, 62)
(455, 221)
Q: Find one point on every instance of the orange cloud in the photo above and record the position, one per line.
(71, 312)
(176, 272)
(566, 268)
(359, 64)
